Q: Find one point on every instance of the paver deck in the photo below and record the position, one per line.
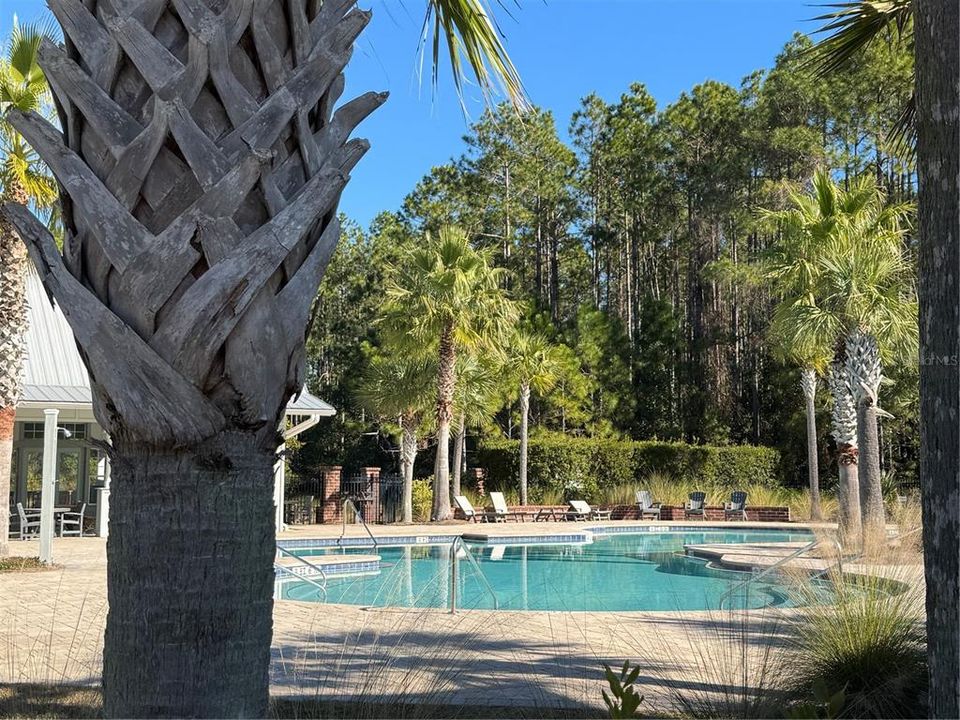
(53, 627)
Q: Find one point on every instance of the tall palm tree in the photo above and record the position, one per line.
(397, 386)
(26, 181)
(844, 431)
(860, 301)
(475, 400)
(202, 156)
(448, 293)
(791, 272)
(534, 367)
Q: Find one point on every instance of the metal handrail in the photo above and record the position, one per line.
(303, 561)
(321, 588)
(359, 515)
(782, 561)
(458, 544)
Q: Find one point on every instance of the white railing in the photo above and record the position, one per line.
(745, 585)
(456, 546)
(282, 568)
(359, 515)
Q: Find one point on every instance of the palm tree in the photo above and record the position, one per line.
(476, 399)
(791, 272)
(535, 368)
(844, 431)
(202, 157)
(450, 294)
(23, 180)
(859, 293)
(397, 386)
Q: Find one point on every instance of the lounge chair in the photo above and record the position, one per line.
(696, 506)
(29, 522)
(646, 507)
(581, 510)
(71, 523)
(463, 504)
(737, 507)
(501, 513)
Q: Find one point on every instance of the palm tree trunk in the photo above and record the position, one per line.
(844, 431)
(524, 419)
(13, 327)
(190, 580)
(808, 381)
(446, 384)
(938, 131)
(458, 443)
(408, 458)
(864, 372)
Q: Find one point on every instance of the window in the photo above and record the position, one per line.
(34, 431)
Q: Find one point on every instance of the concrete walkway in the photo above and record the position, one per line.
(53, 626)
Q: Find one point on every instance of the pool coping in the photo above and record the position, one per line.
(584, 534)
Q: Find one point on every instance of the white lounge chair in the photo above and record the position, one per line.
(501, 513)
(646, 506)
(464, 505)
(71, 523)
(581, 510)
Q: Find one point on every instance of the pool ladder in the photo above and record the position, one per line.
(359, 515)
(745, 585)
(282, 568)
(456, 547)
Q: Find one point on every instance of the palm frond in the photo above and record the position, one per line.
(472, 36)
(851, 26)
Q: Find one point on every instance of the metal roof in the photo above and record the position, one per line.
(54, 374)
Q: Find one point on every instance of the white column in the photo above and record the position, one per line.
(103, 500)
(279, 487)
(48, 487)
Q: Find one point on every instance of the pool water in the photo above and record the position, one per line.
(615, 572)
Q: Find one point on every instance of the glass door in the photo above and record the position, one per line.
(68, 477)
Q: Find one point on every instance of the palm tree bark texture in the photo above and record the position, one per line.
(13, 327)
(446, 386)
(808, 383)
(937, 28)
(201, 162)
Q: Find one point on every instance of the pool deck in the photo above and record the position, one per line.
(53, 628)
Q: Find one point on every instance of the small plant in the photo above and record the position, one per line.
(422, 500)
(825, 705)
(625, 700)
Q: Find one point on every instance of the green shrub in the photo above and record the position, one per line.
(587, 467)
(422, 499)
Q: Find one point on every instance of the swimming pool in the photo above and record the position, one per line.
(611, 572)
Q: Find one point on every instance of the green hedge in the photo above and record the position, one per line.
(584, 466)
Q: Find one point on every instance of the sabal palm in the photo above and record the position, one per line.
(203, 152)
(399, 386)
(535, 367)
(476, 399)
(854, 284)
(23, 180)
(450, 294)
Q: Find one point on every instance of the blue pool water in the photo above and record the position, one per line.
(616, 572)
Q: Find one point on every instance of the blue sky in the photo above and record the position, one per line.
(564, 49)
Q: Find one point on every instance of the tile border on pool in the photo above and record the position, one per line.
(586, 535)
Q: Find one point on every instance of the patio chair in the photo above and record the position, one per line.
(29, 522)
(646, 507)
(463, 504)
(581, 510)
(71, 523)
(737, 507)
(696, 506)
(500, 510)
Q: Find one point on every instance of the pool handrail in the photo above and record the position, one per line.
(302, 561)
(782, 561)
(282, 568)
(359, 516)
(459, 544)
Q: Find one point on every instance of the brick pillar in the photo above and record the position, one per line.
(478, 477)
(371, 507)
(330, 510)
